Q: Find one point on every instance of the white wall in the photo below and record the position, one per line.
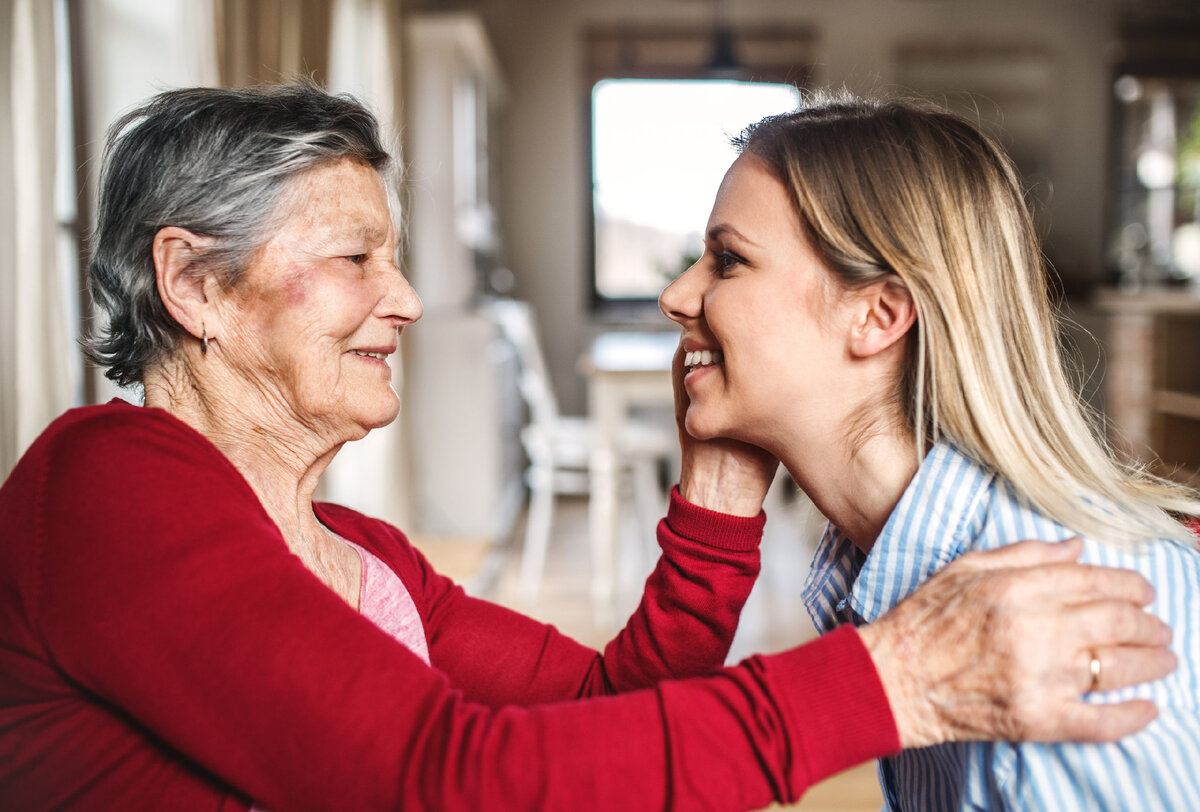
(544, 171)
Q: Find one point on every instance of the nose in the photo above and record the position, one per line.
(681, 300)
(399, 300)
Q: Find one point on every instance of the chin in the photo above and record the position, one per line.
(376, 415)
(381, 419)
(698, 427)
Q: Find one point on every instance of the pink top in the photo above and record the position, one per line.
(384, 600)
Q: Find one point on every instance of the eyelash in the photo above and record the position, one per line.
(725, 262)
(357, 259)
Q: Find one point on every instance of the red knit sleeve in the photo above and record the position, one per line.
(195, 651)
(683, 626)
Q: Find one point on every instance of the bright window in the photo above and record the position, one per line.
(659, 151)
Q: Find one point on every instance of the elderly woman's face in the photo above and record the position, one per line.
(316, 318)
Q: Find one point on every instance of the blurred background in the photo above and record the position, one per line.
(560, 157)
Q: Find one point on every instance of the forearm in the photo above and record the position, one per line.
(757, 733)
(312, 707)
(751, 735)
(691, 604)
(683, 626)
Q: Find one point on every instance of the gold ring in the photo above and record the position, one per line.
(1094, 670)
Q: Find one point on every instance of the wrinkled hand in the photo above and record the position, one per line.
(998, 646)
(722, 475)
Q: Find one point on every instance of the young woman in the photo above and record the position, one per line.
(872, 309)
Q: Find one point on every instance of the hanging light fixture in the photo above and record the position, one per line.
(722, 61)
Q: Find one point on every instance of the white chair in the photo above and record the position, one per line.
(559, 449)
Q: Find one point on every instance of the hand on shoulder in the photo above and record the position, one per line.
(999, 645)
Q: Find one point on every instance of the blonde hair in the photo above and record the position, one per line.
(902, 188)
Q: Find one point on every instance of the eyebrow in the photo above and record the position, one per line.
(721, 229)
(372, 234)
(369, 234)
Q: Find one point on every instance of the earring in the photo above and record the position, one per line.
(203, 341)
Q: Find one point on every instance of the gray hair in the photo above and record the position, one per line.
(216, 162)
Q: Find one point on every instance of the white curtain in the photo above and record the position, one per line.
(365, 56)
(38, 358)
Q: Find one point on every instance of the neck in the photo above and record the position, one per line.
(277, 455)
(855, 486)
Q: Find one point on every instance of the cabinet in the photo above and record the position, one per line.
(465, 415)
(1152, 386)
(462, 407)
(453, 90)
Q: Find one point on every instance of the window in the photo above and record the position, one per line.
(664, 103)
(1154, 155)
(659, 151)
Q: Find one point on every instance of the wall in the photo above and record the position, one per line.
(543, 166)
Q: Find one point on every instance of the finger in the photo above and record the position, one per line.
(1123, 666)
(1070, 584)
(1083, 583)
(1113, 623)
(1026, 554)
(1085, 722)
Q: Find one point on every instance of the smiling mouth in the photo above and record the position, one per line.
(702, 358)
(382, 356)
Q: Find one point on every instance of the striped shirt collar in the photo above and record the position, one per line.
(925, 531)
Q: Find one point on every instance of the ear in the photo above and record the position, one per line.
(883, 314)
(187, 296)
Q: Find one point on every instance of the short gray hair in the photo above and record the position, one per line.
(216, 162)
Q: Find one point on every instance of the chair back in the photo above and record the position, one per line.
(517, 324)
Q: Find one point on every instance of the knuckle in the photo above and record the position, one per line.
(1024, 722)
(1003, 589)
(1106, 728)
(1122, 622)
(1125, 585)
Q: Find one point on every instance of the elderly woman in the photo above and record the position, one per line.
(875, 297)
(182, 627)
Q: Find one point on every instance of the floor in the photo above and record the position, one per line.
(774, 618)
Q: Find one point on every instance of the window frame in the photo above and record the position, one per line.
(769, 54)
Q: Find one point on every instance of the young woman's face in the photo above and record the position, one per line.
(764, 314)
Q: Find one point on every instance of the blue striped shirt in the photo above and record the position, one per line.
(954, 505)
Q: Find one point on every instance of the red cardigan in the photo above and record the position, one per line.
(161, 648)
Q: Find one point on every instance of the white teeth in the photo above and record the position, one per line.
(379, 355)
(703, 358)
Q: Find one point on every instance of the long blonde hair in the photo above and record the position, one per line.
(900, 187)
